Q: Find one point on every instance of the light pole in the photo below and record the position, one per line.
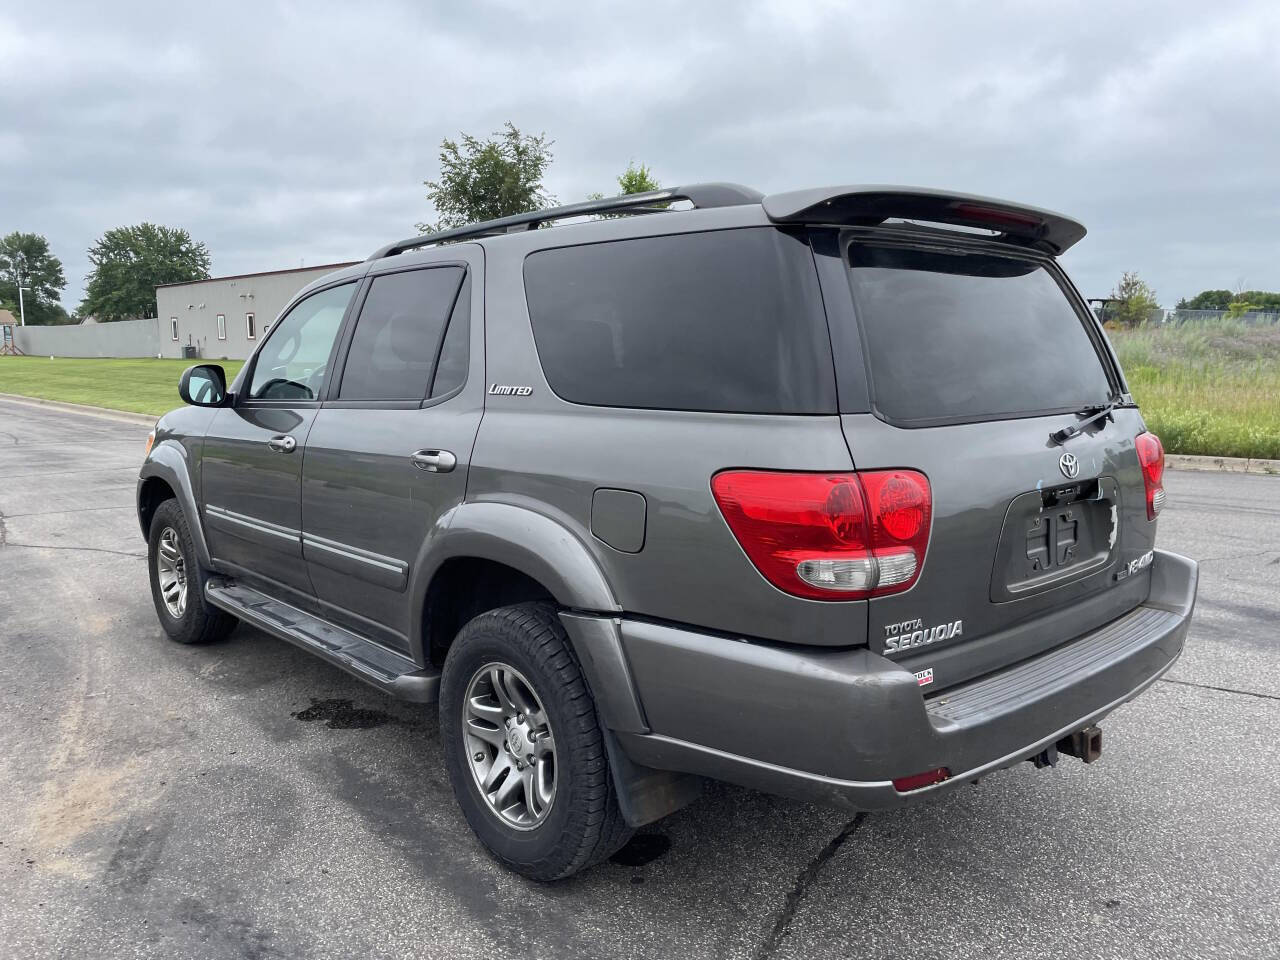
(21, 269)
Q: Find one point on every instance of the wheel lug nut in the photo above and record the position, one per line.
(531, 759)
(519, 765)
(520, 718)
(479, 758)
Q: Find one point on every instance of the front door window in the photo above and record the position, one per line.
(293, 363)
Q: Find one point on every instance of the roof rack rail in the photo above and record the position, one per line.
(701, 195)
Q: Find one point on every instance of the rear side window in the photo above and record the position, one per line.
(398, 336)
(954, 336)
(726, 321)
(451, 370)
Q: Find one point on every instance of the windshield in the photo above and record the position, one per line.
(956, 336)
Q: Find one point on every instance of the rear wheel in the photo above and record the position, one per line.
(177, 581)
(523, 746)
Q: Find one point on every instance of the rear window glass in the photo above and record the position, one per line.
(726, 321)
(957, 336)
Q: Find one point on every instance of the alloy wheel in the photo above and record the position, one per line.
(171, 570)
(510, 746)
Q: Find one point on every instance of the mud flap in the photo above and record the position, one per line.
(646, 794)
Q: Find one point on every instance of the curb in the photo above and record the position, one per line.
(141, 419)
(1182, 461)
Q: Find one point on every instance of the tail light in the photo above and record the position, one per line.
(1151, 456)
(830, 536)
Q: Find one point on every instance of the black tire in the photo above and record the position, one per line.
(583, 825)
(199, 621)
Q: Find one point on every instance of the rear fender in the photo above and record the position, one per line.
(536, 545)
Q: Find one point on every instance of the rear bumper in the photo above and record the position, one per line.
(839, 726)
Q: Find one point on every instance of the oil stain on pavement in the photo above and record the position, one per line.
(342, 715)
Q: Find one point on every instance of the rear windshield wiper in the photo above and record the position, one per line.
(1091, 414)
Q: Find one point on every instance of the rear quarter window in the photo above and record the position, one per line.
(956, 336)
(725, 321)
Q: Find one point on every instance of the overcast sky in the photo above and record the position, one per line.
(287, 132)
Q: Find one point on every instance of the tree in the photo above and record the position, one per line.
(638, 179)
(1135, 301)
(1226, 300)
(25, 257)
(128, 264)
(1207, 300)
(487, 179)
(635, 179)
(1260, 300)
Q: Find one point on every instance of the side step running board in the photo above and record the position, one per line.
(375, 665)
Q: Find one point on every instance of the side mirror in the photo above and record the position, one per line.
(204, 385)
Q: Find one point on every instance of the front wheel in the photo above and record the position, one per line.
(177, 582)
(524, 749)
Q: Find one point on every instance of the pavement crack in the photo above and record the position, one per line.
(1209, 686)
(804, 880)
(4, 534)
(56, 513)
(49, 546)
(1240, 556)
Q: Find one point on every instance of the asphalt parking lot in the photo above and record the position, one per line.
(246, 800)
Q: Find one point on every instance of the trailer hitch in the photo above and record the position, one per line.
(1085, 744)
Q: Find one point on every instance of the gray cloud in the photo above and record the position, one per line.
(281, 132)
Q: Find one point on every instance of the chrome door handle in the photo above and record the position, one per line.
(283, 444)
(434, 461)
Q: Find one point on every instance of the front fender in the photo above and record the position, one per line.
(169, 462)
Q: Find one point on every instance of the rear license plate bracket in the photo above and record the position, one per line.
(1054, 536)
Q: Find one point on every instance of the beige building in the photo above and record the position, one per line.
(225, 317)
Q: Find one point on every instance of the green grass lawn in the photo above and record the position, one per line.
(137, 385)
(1211, 389)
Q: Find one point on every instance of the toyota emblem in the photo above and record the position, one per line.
(1069, 466)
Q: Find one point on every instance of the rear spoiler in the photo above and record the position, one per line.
(1042, 230)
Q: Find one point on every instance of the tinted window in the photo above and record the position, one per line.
(968, 336)
(723, 321)
(294, 361)
(451, 371)
(398, 335)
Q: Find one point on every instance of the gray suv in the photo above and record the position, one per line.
(838, 494)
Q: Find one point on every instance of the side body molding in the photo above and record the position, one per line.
(533, 543)
(169, 462)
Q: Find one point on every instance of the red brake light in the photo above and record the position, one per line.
(918, 780)
(1151, 457)
(985, 214)
(830, 536)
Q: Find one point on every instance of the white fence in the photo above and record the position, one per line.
(1256, 317)
(125, 338)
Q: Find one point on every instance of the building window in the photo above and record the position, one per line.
(173, 328)
(250, 330)
(222, 326)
